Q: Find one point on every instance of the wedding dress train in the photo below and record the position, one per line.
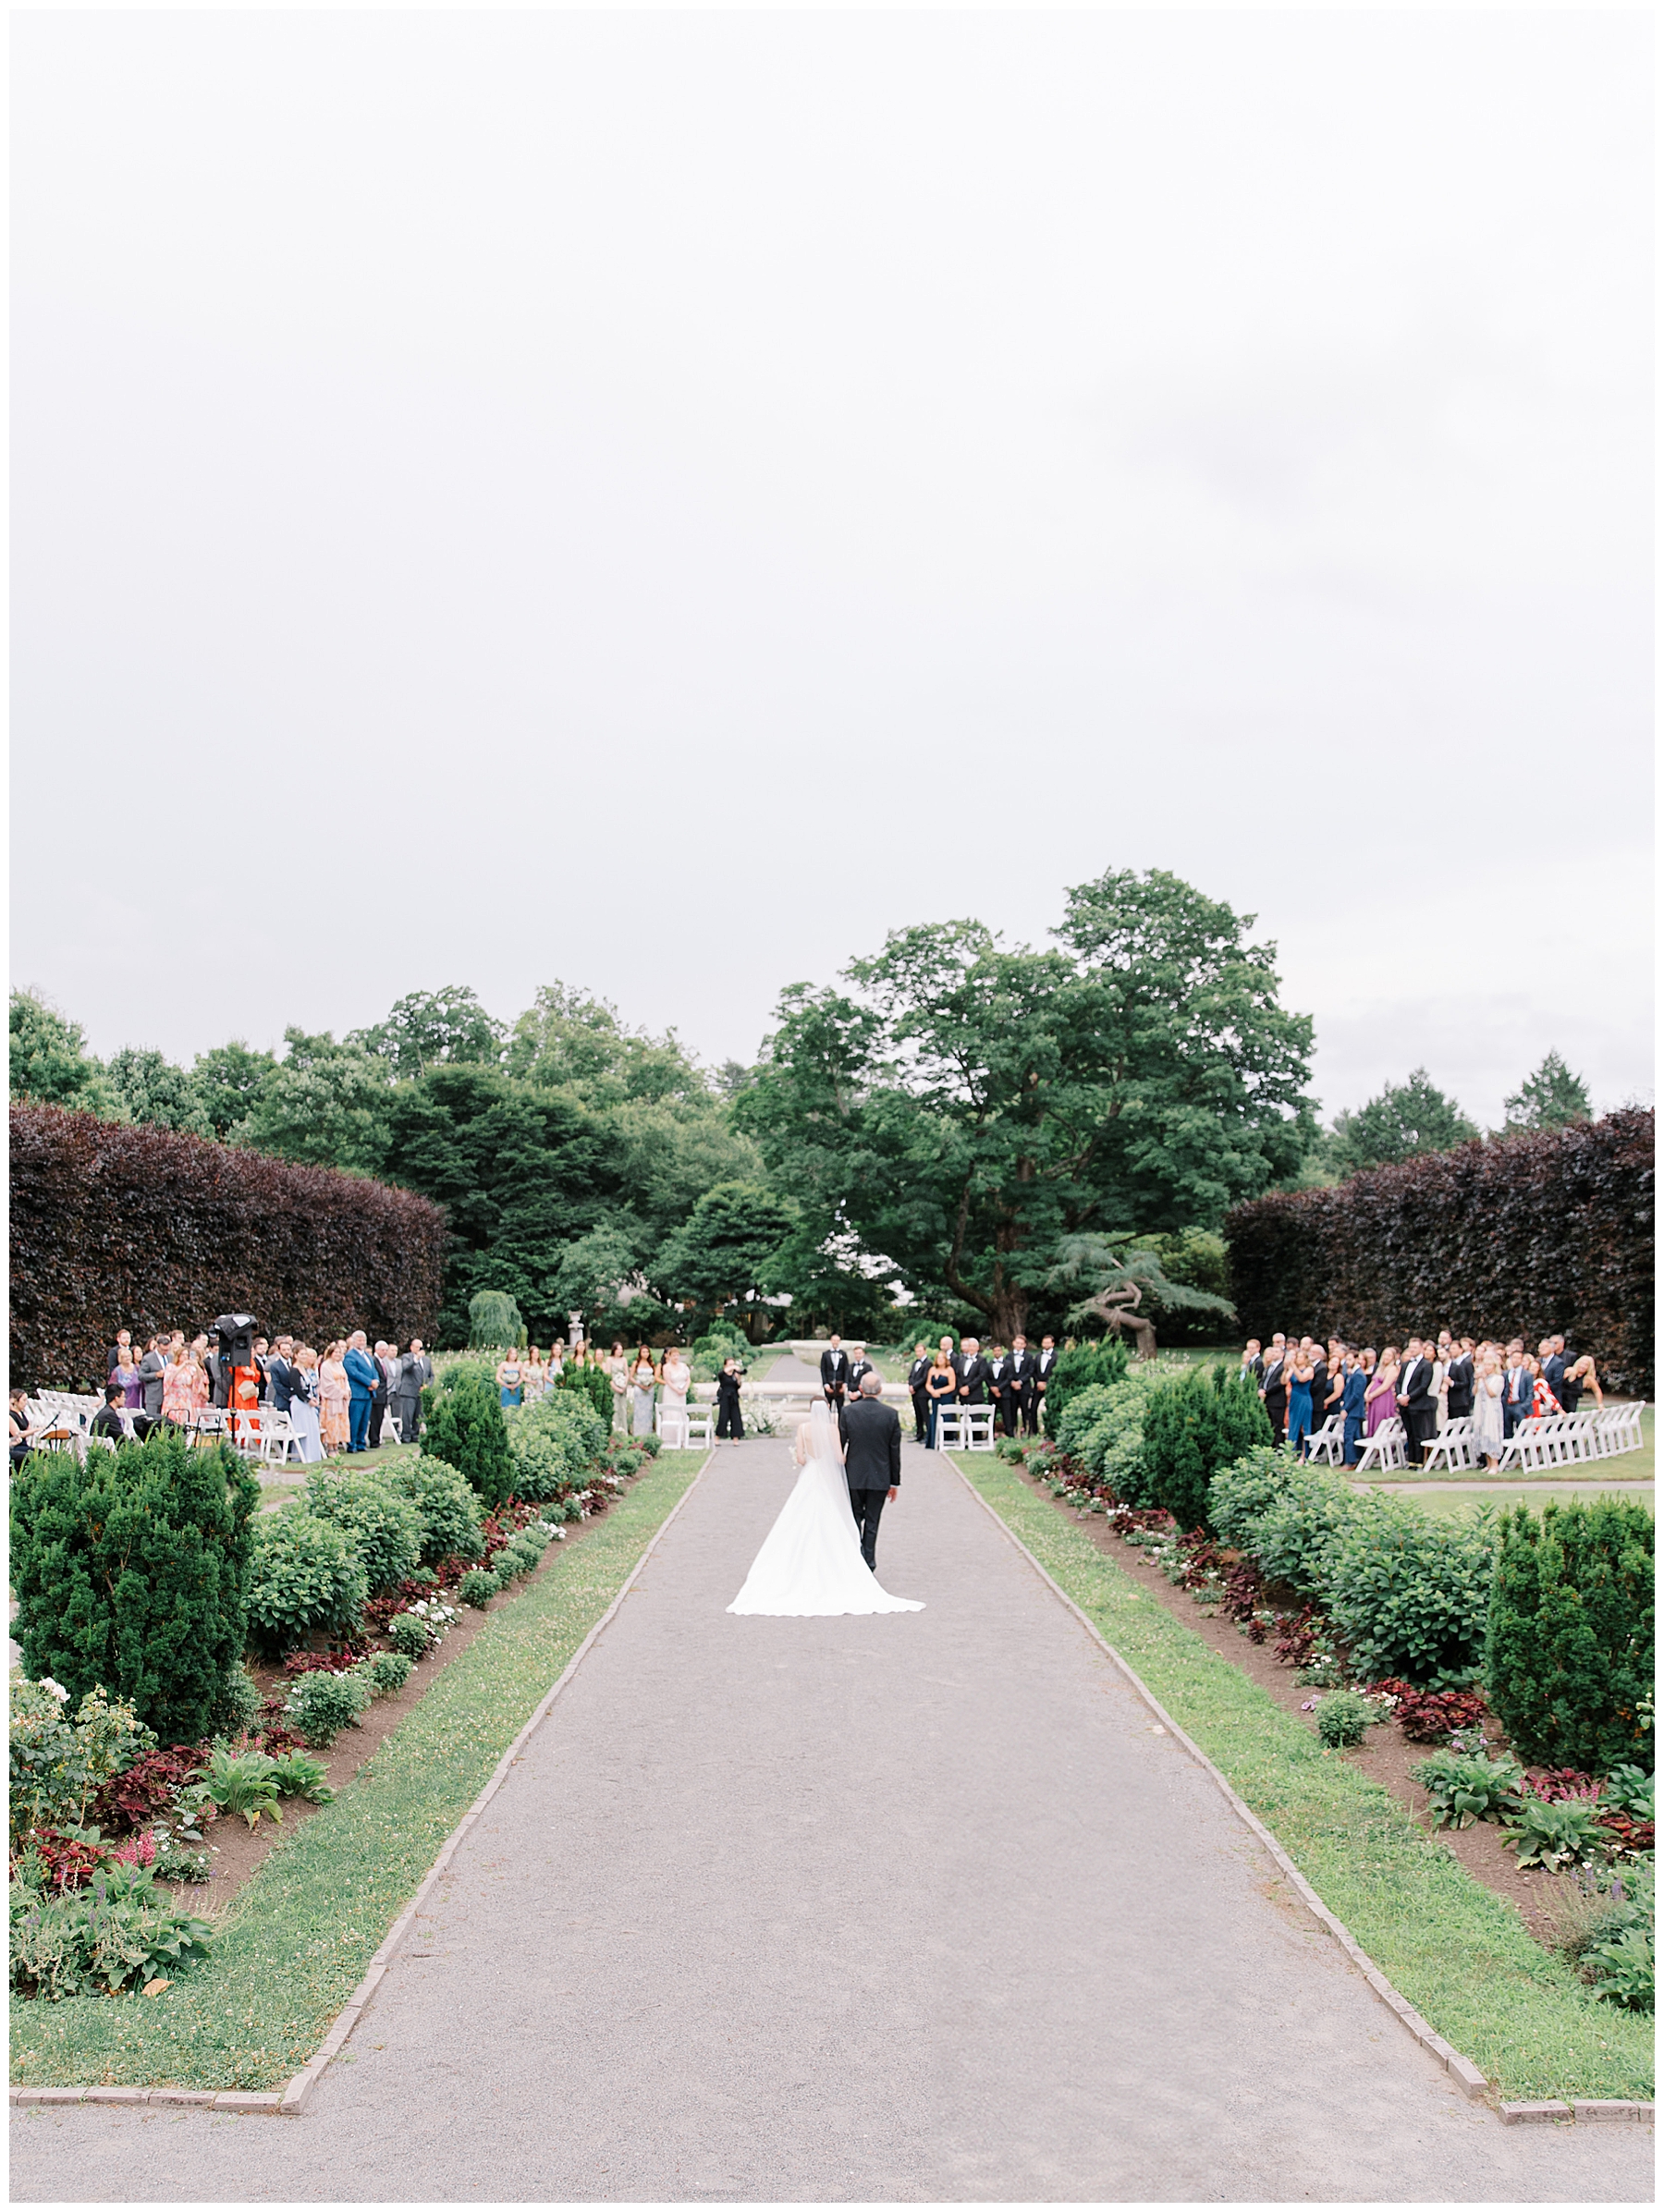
(811, 1560)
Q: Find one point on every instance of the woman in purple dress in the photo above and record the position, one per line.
(1381, 1399)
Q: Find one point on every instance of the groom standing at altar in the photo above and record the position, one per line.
(835, 1371)
(872, 1442)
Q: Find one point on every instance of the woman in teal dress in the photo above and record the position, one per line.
(1300, 1403)
(508, 1381)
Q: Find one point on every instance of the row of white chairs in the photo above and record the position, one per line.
(968, 1429)
(1555, 1440)
(66, 1419)
(679, 1428)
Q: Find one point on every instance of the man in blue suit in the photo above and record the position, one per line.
(1517, 1391)
(1351, 1407)
(363, 1377)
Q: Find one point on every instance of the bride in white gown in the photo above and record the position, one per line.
(811, 1560)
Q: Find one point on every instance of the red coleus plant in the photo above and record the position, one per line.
(1430, 1716)
(69, 1862)
(127, 1801)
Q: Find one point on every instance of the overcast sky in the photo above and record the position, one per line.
(658, 501)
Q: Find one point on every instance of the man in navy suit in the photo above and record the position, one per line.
(1552, 1352)
(1517, 1389)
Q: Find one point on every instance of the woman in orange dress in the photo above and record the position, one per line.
(334, 1392)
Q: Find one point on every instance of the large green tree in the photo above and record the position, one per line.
(1400, 1122)
(967, 1107)
(50, 1061)
(426, 1027)
(229, 1079)
(324, 1103)
(1549, 1098)
(727, 1254)
(152, 1089)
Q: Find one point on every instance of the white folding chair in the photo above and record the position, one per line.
(1328, 1445)
(1384, 1450)
(1452, 1448)
(699, 1428)
(950, 1431)
(979, 1428)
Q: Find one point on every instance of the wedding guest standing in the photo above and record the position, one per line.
(1380, 1395)
(508, 1380)
(1353, 1386)
(334, 1396)
(972, 1372)
(413, 1371)
(185, 1392)
(1273, 1390)
(363, 1379)
(1521, 1387)
(941, 1387)
(916, 1391)
(126, 1372)
(153, 1376)
(999, 1390)
(120, 1352)
(1488, 1388)
(1299, 1401)
(1415, 1402)
(1581, 1376)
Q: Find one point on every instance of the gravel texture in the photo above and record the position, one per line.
(913, 1907)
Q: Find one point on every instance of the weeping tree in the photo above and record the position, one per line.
(494, 1321)
(1122, 1275)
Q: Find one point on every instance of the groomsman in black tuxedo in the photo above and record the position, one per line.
(973, 1371)
(835, 1372)
(921, 1397)
(1042, 1374)
(1416, 1407)
(1023, 1385)
(1459, 1374)
(858, 1365)
(1001, 1390)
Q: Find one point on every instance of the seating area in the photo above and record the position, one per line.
(1558, 1440)
(967, 1428)
(679, 1428)
(263, 1434)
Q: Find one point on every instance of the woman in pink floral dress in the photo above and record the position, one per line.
(334, 1391)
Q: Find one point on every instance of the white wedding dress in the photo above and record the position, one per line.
(811, 1560)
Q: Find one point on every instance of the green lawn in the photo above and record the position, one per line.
(1505, 1495)
(1458, 1951)
(297, 1939)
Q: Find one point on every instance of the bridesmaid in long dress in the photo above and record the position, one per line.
(640, 1396)
(675, 1378)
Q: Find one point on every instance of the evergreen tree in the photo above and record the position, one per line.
(1569, 1642)
(1550, 1099)
(464, 1426)
(132, 1570)
(1402, 1121)
(1192, 1426)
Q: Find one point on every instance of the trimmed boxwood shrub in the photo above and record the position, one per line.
(150, 1228)
(133, 1571)
(478, 1586)
(595, 1386)
(1569, 1657)
(1507, 1236)
(321, 1705)
(464, 1426)
(305, 1579)
(383, 1529)
(554, 1443)
(1193, 1426)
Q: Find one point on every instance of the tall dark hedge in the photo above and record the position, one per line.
(1569, 1645)
(132, 1571)
(147, 1229)
(1513, 1236)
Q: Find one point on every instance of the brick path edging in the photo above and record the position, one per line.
(1462, 2070)
(291, 2103)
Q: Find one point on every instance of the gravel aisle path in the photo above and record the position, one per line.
(915, 1908)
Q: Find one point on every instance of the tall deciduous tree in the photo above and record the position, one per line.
(727, 1252)
(51, 1064)
(969, 1106)
(429, 1026)
(154, 1090)
(1402, 1121)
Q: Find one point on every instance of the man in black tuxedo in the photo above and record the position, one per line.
(1001, 1390)
(835, 1372)
(973, 1371)
(860, 1366)
(921, 1397)
(1416, 1406)
(1043, 1366)
(872, 1442)
(1023, 1385)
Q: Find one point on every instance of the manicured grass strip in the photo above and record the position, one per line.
(297, 1939)
(1459, 1952)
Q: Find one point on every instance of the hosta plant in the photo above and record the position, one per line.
(1621, 1968)
(118, 1933)
(1564, 1833)
(297, 1776)
(243, 1784)
(1461, 1790)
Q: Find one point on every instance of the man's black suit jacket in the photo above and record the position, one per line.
(973, 1379)
(1415, 1386)
(857, 1369)
(917, 1372)
(1022, 1369)
(872, 1442)
(1459, 1375)
(834, 1369)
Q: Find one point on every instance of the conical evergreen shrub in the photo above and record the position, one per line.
(1193, 1426)
(1569, 1645)
(132, 1571)
(464, 1426)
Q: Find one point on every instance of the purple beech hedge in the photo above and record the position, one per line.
(1509, 1236)
(146, 1228)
